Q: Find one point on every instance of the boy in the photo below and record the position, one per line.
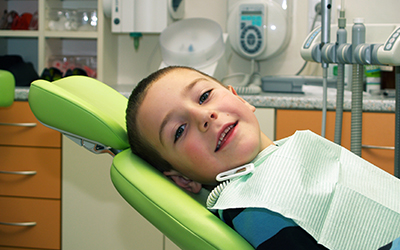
(194, 130)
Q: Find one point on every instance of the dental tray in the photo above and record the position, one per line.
(292, 84)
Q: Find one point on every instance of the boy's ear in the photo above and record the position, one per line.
(183, 181)
(251, 107)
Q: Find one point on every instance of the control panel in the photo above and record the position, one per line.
(392, 39)
(251, 28)
(259, 29)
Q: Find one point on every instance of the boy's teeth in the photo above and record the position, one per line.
(223, 134)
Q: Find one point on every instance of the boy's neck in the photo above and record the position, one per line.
(265, 142)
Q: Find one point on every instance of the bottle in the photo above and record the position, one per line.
(357, 34)
(373, 79)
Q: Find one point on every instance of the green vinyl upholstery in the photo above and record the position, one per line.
(87, 108)
(179, 216)
(81, 106)
(7, 88)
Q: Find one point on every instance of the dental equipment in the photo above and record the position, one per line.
(292, 84)
(358, 53)
(358, 37)
(325, 39)
(136, 17)
(258, 30)
(341, 39)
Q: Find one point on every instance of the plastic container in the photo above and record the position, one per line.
(193, 42)
(71, 20)
(65, 63)
(62, 20)
(373, 78)
(87, 20)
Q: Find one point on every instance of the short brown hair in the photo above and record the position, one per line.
(137, 142)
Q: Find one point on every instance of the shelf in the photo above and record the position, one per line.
(19, 33)
(71, 34)
(38, 46)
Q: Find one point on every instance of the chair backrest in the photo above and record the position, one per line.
(84, 107)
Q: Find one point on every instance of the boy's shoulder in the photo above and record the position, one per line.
(297, 133)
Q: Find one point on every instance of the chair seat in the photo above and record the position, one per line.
(173, 211)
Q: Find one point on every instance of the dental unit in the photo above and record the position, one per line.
(362, 50)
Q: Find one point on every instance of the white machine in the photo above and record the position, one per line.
(144, 16)
(259, 29)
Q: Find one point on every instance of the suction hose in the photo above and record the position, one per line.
(324, 100)
(356, 109)
(358, 37)
(341, 39)
(397, 125)
(339, 104)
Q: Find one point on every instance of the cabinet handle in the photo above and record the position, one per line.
(377, 147)
(18, 224)
(18, 172)
(27, 124)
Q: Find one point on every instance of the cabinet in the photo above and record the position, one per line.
(39, 46)
(104, 219)
(30, 181)
(378, 129)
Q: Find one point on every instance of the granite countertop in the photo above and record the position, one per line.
(311, 99)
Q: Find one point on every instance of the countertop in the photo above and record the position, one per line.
(311, 99)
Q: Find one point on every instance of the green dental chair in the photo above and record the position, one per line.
(7, 88)
(93, 115)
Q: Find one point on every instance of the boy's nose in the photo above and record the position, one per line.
(208, 117)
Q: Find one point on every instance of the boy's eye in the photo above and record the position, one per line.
(179, 132)
(204, 97)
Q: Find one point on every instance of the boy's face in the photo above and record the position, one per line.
(198, 126)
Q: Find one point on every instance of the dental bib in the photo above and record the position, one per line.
(343, 201)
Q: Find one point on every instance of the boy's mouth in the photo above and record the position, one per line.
(224, 136)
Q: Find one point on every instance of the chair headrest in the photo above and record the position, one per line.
(7, 88)
(81, 106)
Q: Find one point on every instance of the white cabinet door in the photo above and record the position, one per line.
(94, 215)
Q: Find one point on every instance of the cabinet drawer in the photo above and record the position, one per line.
(46, 214)
(10, 134)
(12, 248)
(378, 129)
(383, 158)
(46, 162)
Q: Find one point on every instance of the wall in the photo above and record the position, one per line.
(134, 65)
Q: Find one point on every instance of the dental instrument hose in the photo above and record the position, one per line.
(339, 104)
(356, 109)
(358, 37)
(325, 39)
(324, 98)
(397, 125)
(341, 39)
